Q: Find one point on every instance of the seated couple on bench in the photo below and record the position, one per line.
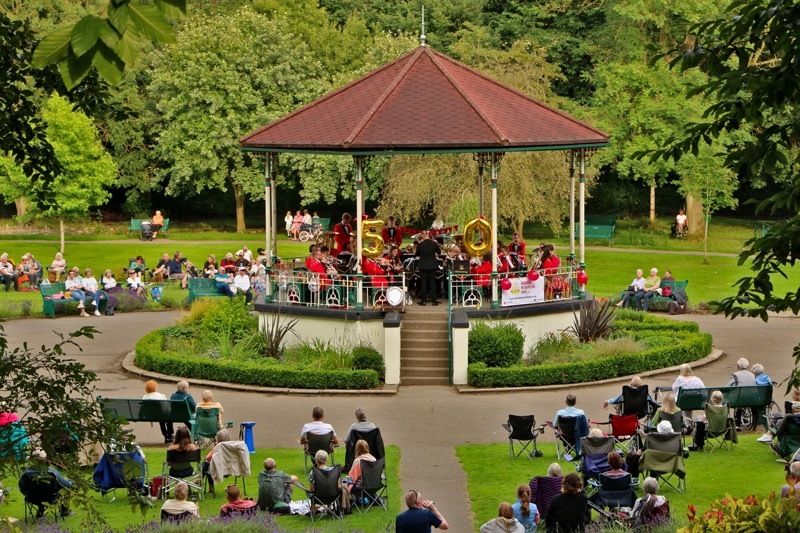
(641, 290)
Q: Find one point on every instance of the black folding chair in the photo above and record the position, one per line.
(42, 494)
(175, 519)
(313, 444)
(182, 461)
(327, 492)
(615, 492)
(522, 434)
(636, 401)
(372, 437)
(372, 489)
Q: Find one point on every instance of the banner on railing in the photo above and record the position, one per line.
(523, 292)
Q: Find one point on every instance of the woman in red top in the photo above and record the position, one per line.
(377, 275)
(483, 271)
(550, 261)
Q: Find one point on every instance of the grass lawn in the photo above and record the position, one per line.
(750, 468)
(119, 515)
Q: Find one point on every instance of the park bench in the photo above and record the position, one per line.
(598, 227)
(324, 223)
(751, 396)
(136, 226)
(674, 284)
(202, 288)
(141, 410)
(49, 304)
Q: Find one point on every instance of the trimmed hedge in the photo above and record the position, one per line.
(687, 345)
(150, 355)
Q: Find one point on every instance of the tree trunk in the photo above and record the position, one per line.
(652, 203)
(706, 222)
(22, 208)
(237, 193)
(694, 212)
(61, 230)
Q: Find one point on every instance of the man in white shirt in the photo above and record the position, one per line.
(317, 426)
(306, 218)
(242, 284)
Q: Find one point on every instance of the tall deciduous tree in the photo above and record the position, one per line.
(224, 77)
(87, 169)
(750, 57)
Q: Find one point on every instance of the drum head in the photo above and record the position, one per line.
(394, 296)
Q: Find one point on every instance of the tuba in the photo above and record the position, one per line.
(536, 257)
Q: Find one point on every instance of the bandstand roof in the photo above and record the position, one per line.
(424, 102)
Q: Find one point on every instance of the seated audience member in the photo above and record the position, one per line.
(545, 488)
(209, 403)
(700, 425)
(668, 276)
(783, 427)
(525, 512)
(92, 290)
(633, 289)
(615, 462)
(317, 426)
(321, 463)
(247, 254)
(742, 377)
(138, 265)
(210, 267)
(57, 267)
(761, 377)
(109, 285)
(39, 465)
(151, 393)
(421, 515)
(792, 481)
(161, 271)
(175, 268)
(242, 284)
(8, 273)
(651, 286)
(651, 508)
(680, 222)
(274, 488)
(360, 424)
(158, 223)
(667, 406)
(6, 416)
(236, 505)
(636, 382)
(223, 435)
(180, 503)
(182, 443)
(31, 268)
(136, 284)
(570, 410)
(74, 285)
(362, 454)
(687, 380)
(568, 511)
(241, 261)
(297, 223)
(182, 393)
(504, 523)
(228, 264)
(224, 283)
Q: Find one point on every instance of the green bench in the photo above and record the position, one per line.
(141, 410)
(674, 284)
(324, 223)
(49, 304)
(202, 288)
(738, 397)
(596, 231)
(136, 226)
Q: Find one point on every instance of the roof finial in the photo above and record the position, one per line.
(422, 36)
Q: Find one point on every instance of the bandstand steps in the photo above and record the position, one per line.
(424, 347)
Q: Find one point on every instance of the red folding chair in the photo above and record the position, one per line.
(625, 430)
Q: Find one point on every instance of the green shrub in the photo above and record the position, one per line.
(227, 314)
(746, 514)
(498, 346)
(150, 355)
(368, 358)
(552, 346)
(127, 301)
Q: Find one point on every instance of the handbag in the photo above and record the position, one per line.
(666, 292)
(630, 288)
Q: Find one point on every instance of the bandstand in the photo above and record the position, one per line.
(423, 102)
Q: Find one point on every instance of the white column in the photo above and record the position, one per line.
(268, 210)
(273, 189)
(357, 227)
(495, 299)
(572, 204)
(582, 206)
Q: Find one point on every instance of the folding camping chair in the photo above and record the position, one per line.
(567, 431)
(614, 492)
(313, 444)
(720, 428)
(594, 460)
(520, 431)
(230, 458)
(543, 490)
(372, 437)
(663, 459)
(676, 421)
(327, 492)
(42, 494)
(206, 426)
(636, 401)
(178, 461)
(372, 488)
(788, 434)
(625, 430)
(121, 470)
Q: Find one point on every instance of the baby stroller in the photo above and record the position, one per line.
(147, 231)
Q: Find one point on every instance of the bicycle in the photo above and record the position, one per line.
(310, 232)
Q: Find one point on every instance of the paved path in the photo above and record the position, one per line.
(425, 422)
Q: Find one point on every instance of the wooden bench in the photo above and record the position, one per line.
(754, 396)
(140, 410)
(49, 304)
(202, 288)
(136, 226)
